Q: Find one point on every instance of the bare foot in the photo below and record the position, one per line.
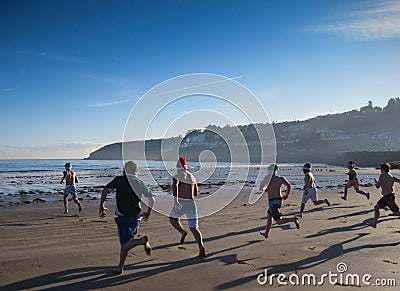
(296, 222)
(66, 212)
(117, 271)
(147, 246)
(264, 234)
(202, 252)
(184, 234)
(372, 224)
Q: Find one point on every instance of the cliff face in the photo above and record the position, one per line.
(370, 136)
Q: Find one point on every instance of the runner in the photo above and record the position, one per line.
(184, 189)
(128, 211)
(70, 189)
(272, 184)
(310, 191)
(385, 182)
(353, 181)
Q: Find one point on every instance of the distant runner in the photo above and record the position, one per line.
(310, 191)
(275, 197)
(70, 189)
(385, 182)
(353, 181)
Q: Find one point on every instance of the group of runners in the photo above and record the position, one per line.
(272, 185)
(130, 190)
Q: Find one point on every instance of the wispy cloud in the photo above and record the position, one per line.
(7, 90)
(376, 20)
(48, 151)
(110, 103)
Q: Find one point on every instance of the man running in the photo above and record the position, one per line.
(128, 211)
(184, 189)
(353, 181)
(70, 189)
(272, 184)
(310, 190)
(385, 182)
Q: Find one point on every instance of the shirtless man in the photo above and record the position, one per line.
(385, 182)
(272, 184)
(70, 180)
(353, 181)
(310, 191)
(184, 189)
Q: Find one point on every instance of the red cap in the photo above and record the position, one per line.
(182, 161)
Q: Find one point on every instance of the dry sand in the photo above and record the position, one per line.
(43, 249)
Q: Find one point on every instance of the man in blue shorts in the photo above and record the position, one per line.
(184, 189)
(129, 191)
(70, 189)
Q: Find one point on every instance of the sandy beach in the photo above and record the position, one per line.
(42, 249)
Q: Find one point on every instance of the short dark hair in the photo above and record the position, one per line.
(385, 167)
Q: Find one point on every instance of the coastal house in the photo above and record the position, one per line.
(332, 135)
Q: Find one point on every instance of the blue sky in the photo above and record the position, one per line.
(71, 71)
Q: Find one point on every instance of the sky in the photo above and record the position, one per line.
(71, 72)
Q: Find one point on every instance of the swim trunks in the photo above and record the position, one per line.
(309, 193)
(389, 201)
(70, 189)
(274, 206)
(189, 208)
(127, 227)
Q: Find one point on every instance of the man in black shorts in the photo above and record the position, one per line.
(385, 182)
(129, 190)
(272, 184)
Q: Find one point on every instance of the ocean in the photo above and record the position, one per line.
(26, 180)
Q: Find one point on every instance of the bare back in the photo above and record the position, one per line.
(275, 186)
(70, 177)
(184, 185)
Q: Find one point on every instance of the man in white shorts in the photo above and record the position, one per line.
(310, 191)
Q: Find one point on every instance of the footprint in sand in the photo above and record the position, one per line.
(182, 248)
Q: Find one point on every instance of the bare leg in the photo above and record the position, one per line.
(267, 227)
(302, 206)
(376, 216)
(287, 220)
(65, 205)
(126, 247)
(76, 200)
(361, 192)
(344, 197)
(199, 239)
(176, 223)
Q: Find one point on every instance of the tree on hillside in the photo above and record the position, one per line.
(393, 105)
